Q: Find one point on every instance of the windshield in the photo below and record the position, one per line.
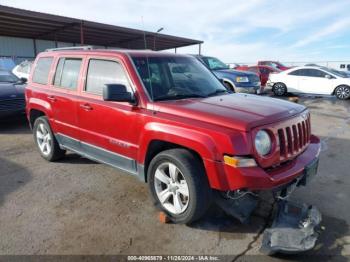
(214, 63)
(8, 77)
(176, 77)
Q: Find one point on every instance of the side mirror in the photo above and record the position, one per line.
(23, 80)
(328, 76)
(117, 93)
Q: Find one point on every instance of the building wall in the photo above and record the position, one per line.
(42, 45)
(16, 47)
(20, 49)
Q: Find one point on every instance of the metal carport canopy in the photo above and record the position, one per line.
(29, 24)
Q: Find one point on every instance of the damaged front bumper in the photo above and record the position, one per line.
(293, 230)
(294, 227)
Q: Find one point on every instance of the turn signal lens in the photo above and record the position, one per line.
(238, 161)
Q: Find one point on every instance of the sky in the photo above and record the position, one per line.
(241, 31)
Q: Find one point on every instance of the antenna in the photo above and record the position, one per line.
(144, 32)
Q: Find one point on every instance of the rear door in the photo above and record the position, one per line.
(63, 98)
(109, 131)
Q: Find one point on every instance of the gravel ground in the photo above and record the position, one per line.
(76, 206)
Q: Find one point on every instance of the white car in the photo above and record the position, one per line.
(23, 69)
(310, 80)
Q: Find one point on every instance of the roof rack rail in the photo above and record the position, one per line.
(87, 47)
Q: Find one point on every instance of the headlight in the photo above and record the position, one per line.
(262, 143)
(242, 79)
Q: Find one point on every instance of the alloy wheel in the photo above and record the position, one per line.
(343, 92)
(171, 188)
(44, 139)
(279, 89)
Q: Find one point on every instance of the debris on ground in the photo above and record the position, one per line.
(293, 229)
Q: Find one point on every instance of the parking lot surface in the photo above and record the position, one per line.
(76, 206)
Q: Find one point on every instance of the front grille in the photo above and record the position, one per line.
(12, 104)
(294, 139)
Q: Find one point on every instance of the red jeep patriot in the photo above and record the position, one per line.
(168, 120)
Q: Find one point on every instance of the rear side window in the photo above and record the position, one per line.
(102, 72)
(42, 70)
(67, 73)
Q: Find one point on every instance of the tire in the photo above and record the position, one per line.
(188, 169)
(279, 89)
(229, 86)
(45, 140)
(342, 92)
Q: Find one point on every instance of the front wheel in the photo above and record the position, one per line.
(279, 89)
(179, 186)
(229, 86)
(342, 92)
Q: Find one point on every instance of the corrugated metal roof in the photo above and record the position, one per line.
(29, 24)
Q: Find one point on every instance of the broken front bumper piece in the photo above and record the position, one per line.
(293, 229)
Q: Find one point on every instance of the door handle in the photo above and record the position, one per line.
(86, 107)
(51, 98)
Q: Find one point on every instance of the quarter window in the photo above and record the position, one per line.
(67, 73)
(102, 72)
(42, 70)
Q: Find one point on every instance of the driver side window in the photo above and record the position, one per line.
(102, 72)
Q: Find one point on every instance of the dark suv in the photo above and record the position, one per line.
(166, 119)
(235, 80)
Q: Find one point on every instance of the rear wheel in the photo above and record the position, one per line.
(342, 92)
(279, 89)
(46, 141)
(179, 186)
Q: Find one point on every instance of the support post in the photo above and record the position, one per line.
(82, 32)
(199, 49)
(175, 50)
(34, 45)
(55, 36)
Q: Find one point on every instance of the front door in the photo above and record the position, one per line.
(109, 131)
(314, 81)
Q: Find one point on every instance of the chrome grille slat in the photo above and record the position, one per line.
(294, 138)
(304, 132)
(301, 138)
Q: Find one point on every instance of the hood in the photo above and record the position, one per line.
(236, 111)
(11, 91)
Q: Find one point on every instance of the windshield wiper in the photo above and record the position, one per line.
(217, 92)
(179, 96)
